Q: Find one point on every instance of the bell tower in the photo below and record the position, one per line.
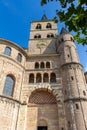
(41, 36)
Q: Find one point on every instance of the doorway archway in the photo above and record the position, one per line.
(42, 125)
(42, 111)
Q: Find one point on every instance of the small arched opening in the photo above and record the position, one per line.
(47, 64)
(42, 65)
(38, 78)
(42, 125)
(49, 25)
(31, 78)
(45, 78)
(53, 78)
(38, 26)
(36, 65)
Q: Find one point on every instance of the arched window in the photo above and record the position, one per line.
(31, 78)
(37, 36)
(7, 51)
(45, 77)
(77, 106)
(50, 35)
(62, 40)
(36, 65)
(49, 25)
(71, 39)
(69, 124)
(47, 64)
(38, 26)
(38, 78)
(53, 78)
(42, 65)
(19, 57)
(9, 85)
(84, 93)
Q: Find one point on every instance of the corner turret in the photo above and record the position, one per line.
(67, 48)
(74, 85)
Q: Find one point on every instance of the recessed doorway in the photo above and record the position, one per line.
(42, 128)
(42, 113)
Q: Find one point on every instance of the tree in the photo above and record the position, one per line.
(74, 14)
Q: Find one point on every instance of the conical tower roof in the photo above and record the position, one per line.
(63, 31)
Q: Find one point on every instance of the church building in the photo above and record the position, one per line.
(42, 87)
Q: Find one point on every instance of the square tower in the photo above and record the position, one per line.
(42, 35)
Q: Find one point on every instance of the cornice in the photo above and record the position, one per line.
(76, 99)
(41, 55)
(37, 30)
(34, 21)
(71, 63)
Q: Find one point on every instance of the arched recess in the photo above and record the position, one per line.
(49, 25)
(42, 124)
(38, 26)
(42, 65)
(42, 96)
(53, 77)
(38, 78)
(45, 78)
(31, 78)
(42, 110)
(37, 36)
(47, 64)
(36, 65)
(50, 35)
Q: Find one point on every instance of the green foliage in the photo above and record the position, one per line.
(74, 14)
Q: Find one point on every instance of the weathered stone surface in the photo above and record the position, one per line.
(58, 104)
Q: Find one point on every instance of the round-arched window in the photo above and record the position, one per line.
(42, 65)
(31, 78)
(53, 78)
(38, 26)
(37, 36)
(9, 85)
(47, 64)
(50, 35)
(38, 78)
(36, 65)
(7, 51)
(19, 57)
(49, 25)
(45, 77)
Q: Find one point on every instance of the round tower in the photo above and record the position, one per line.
(74, 85)
(12, 61)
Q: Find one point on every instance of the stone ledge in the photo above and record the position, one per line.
(75, 99)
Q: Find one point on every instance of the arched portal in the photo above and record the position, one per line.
(42, 111)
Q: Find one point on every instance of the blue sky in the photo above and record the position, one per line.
(16, 16)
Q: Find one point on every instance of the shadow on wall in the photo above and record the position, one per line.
(51, 48)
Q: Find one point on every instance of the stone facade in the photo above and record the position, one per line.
(49, 88)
